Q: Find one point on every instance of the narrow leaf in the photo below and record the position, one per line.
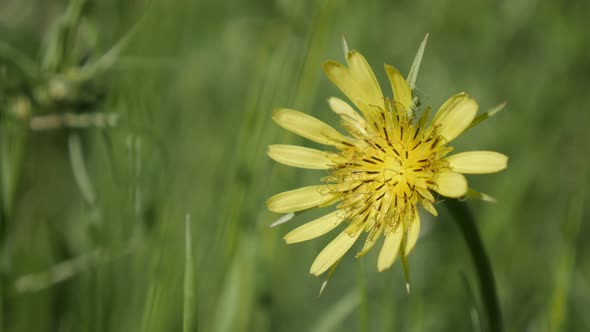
(189, 281)
(345, 48)
(413, 74)
(328, 276)
(483, 268)
(282, 219)
(484, 116)
(473, 194)
(406, 267)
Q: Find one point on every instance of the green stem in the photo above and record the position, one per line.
(466, 222)
(363, 309)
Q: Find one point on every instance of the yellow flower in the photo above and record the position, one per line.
(389, 163)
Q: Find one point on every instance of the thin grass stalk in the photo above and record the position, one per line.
(189, 289)
(363, 310)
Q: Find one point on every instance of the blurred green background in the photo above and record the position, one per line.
(92, 229)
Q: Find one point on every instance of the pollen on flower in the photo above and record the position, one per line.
(383, 170)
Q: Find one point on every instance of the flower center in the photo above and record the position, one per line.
(387, 174)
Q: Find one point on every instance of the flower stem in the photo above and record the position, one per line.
(466, 222)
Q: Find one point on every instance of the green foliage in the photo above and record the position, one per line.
(165, 108)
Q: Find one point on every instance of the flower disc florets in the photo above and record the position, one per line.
(389, 172)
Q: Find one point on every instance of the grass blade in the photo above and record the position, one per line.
(363, 311)
(466, 222)
(189, 317)
(79, 169)
(565, 266)
(333, 317)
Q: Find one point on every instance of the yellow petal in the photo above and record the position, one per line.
(298, 156)
(413, 233)
(372, 238)
(477, 162)
(389, 250)
(450, 184)
(342, 108)
(448, 105)
(361, 94)
(427, 205)
(333, 252)
(351, 120)
(455, 115)
(341, 77)
(365, 78)
(401, 91)
(315, 228)
(302, 199)
(307, 126)
(425, 193)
